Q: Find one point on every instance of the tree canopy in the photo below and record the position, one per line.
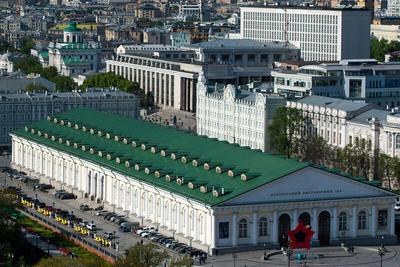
(379, 48)
(110, 79)
(141, 255)
(284, 130)
(26, 45)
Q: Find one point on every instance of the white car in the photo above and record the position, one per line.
(145, 228)
(83, 223)
(91, 226)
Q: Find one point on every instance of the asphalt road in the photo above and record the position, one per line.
(125, 240)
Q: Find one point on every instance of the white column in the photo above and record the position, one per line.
(334, 224)
(155, 208)
(234, 229)
(196, 232)
(391, 220)
(294, 218)
(178, 221)
(314, 223)
(162, 222)
(188, 222)
(171, 219)
(275, 227)
(213, 242)
(372, 230)
(354, 222)
(254, 229)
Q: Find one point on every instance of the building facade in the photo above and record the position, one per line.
(236, 115)
(20, 109)
(321, 34)
(74, 56)
(363, 79)
(170, 74)
(257, 199)
(344, 122)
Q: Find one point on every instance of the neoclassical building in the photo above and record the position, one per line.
(344, 122)
(210, 194)
(236, 114)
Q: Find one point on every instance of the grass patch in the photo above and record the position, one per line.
(59, 240)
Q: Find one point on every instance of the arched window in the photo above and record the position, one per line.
(242, 228)
(263, 227)
(362, 220)
(398, 141)
(342, 221)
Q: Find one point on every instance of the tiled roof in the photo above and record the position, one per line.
(249, 169)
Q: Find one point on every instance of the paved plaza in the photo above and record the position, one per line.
(184, 120)
(327, 256)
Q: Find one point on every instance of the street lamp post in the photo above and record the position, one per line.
(234, 256)
(381, 253)
(265, 250)
(114, 238)
(289, 254)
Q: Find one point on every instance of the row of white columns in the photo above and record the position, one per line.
(314, 216)
(172, 215)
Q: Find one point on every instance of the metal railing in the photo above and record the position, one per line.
(68, 234)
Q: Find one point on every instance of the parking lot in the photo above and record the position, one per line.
(89, 220)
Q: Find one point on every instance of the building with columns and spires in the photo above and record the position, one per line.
(210, 194)
(73, 56)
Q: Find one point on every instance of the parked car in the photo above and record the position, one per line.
(145, 228)
(83, 207)
(156, 237)
(125, 229)
(109, 215)
(113, 218)
(109, 235)
(101, 213)
(91, 226)
(67, 196)
(83, 223)
(57, 193)
(99, 208)
(44, 187)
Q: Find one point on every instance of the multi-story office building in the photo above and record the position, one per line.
(170, 73)
(20, 109)
(236, 115)
(344, 122)
(364, 79)
(321, 34)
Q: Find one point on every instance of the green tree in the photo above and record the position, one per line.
(142, 256)
(35, 88)
(28, 65)
(64, 83)
(49, 72)
(110, 79)
(26, 45)
(185, 261)
(285, 130)
(379, 48)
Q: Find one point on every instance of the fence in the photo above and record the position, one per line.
(107, 253)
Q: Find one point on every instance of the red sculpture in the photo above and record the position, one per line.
(300, 237)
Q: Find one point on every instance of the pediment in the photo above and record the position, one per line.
(309, 184)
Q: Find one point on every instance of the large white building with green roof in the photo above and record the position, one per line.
(211, 194)
(73, 56)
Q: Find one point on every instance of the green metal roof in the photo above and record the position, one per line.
(75, 60)
(248, 169)
(72, 28)
(44, 54)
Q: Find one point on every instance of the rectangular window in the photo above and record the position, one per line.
(382, 218)
(223, 230)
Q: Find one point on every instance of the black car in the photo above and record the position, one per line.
(99, 208)
(109, 215)
(67, 196)
(125, 229)
(84, 207)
